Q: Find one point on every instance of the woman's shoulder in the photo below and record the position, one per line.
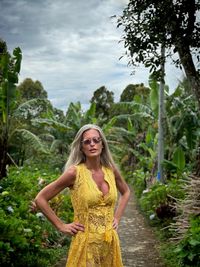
(71, 171)
(77, 171)
(70, 174)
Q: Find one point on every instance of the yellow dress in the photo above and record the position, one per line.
(98, 245)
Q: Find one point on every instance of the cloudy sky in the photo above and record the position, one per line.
(72, 47)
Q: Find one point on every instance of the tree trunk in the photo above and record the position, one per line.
(190, 70)
(161, 116)
(3, 158)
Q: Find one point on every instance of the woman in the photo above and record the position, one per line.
(93, 180)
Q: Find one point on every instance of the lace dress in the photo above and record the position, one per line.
(98, 245)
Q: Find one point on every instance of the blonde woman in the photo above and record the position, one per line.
(94, 180)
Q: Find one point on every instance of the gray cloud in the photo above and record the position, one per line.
(70, 46)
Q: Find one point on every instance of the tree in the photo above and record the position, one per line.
(148, 24)
(3, 50)
(9, 70)
(134, 89)
(103, 100)
(29, 89)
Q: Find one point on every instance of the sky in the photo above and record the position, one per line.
(72, 47)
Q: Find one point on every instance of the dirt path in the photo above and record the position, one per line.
(138, 243)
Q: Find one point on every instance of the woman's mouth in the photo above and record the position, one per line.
(93, 150)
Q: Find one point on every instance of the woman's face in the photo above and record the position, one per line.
(92, 143)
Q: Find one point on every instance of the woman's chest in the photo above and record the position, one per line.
(93, 189)
(102, 184)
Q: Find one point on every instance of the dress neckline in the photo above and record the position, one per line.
(93, 181)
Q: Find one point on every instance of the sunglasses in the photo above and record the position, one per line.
(95, 140)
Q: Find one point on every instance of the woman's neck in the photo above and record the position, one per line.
(93, 164)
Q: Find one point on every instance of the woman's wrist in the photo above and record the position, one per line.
(59, 225)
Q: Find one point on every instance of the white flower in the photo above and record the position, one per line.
(10, 209)
(145, 191)
(27, 230)
(152, 216)
(40, 215)
(40, 181)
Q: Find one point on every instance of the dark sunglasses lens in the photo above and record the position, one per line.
(96, 140)
(89, 141)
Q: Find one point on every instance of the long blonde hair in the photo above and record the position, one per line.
(76, 156)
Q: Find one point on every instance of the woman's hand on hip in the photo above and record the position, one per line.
(115, 224)
(71, 228)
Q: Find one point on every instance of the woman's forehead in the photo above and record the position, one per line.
(91, 133)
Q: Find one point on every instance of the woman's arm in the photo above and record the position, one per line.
(47, 193)
(124, 197)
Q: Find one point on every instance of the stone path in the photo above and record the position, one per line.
(138, 244)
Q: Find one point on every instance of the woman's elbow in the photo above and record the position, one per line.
(39, 199)
(128, 192)
(36, 201)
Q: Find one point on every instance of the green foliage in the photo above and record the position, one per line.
(168, 255)
(9, 67)
(179, 159)
(158, 199)
(134, 89)
(28, 239)
(9, 71)
(148, 24)
(103, 99)
(158, 203)
(34, 108)
(154, 95)
(188, 250)
(29, 89)
(184, 253)
(34, 128)
(177, 164)
(182, 121)
(138, 180)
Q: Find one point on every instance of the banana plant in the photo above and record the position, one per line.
(9, 69)
(183, 123)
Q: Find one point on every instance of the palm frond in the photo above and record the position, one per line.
(32, 140)
(136, 116)
(55, 145)
(51, 123)
(47, 137)
(33, 108)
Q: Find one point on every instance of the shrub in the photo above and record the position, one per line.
(188, 250)
(159, 199)
(28, 239)
(138, 180)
